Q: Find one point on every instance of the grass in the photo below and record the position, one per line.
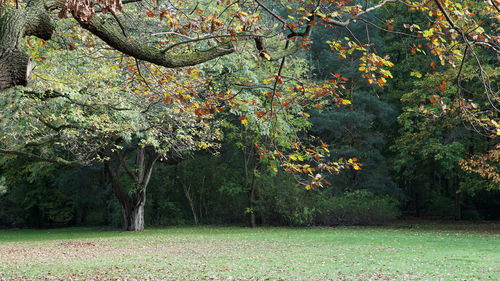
(399, 252)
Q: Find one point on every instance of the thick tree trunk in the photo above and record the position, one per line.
(15, 66)
(15, 69)
(132, 204)
(133, 212)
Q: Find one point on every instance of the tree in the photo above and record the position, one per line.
(98, 118)
(435, 140)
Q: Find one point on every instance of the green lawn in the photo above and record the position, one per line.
(397, 252)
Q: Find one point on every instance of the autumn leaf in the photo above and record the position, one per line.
(416, 74)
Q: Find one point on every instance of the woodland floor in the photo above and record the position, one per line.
(402, 251)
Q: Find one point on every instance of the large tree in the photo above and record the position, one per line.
(78, 128)
(74, 119)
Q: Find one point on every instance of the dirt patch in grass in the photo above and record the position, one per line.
(74, 244)
(51, 252)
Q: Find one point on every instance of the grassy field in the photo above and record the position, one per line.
(398, 252)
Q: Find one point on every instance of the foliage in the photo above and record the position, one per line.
(361, 136)
(359, 207)
(3, 187)
(281, 203)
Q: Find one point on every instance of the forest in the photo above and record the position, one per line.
(134, 114)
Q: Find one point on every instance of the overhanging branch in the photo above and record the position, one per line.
(113, 36)
(56, 160)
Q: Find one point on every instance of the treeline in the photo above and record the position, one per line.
(217, 189)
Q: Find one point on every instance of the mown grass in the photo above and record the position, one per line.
(404, 251)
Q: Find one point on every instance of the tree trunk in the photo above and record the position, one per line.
(15, 69)
(351, 127)
(458, 209)
(187, 189)
(15, 66)
(251, 203)
(132, 205)
(417, 205)
(133, 212)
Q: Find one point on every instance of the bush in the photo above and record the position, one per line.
(441, 207)
(360, 207)
(281, 203)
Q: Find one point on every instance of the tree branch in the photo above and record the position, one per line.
(123, 163)
(358, 15)
(149, 169)
(113, 36)
(56, 160)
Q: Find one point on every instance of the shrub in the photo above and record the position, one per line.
(281, 203)
(360, 207)
(440, 206)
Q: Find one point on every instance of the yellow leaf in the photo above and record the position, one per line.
(416, 74)
(266, 56)
(346, 102)
(428, 33)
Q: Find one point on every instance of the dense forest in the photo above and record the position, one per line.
(364, 117)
